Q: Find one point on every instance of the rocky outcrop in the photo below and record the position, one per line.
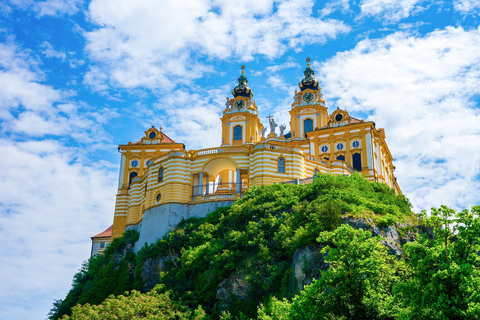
(231, 287)
(392, 238)
(151, 269)
(236, 286)
(119, 256)
(307, 263)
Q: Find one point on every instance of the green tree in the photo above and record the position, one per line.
(445, 282)
(357, 285)
(135, 305)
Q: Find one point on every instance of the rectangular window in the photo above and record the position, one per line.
(281, 165)
(237, 133)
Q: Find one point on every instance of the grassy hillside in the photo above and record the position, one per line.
(240, 257)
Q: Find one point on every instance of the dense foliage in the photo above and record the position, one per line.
(252, 243)
(439, 278)
(135, 305)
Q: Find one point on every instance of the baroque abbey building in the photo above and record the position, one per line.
(161, 182)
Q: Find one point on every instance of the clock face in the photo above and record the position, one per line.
(239, 104)
(308, 97)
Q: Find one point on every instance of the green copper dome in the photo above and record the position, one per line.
(308, 82)
(242, 88)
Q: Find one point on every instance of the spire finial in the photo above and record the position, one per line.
(308, 62)
(243, 69)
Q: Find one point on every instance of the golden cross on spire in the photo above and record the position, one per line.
(243, 69)
(308, 62)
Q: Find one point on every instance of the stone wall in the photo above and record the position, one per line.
(161, 219)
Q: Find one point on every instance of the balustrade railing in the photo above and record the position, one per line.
(213, 188)
(220, 150)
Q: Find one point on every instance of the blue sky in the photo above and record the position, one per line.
(77, 78)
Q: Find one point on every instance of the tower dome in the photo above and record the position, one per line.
(308, 82)
(242, 89)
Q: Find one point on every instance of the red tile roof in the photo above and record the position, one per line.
(166, 138)
(355, 120)
(106, 233)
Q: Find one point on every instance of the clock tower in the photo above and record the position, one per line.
(308, 108)
(240, 122)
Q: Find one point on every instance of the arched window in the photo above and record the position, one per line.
(159, 197)
(307, 125)
(160, 175)
(281, 165)
(357, 161)
(237, 132)
(341, 158)
(315, 173)
(132, 175)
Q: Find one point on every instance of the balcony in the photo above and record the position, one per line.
(218, 191)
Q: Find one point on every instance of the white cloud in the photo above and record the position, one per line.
(57, 7)
(334, 5)
(286, 65)
(50, 52)
(467, 7)
(20, 80)
(390, 10)
(420, 89)
(51, 202)
(157, 43)
(31, 108)
(277, 83)
(52, 197)
(197, 122)
(47, 7)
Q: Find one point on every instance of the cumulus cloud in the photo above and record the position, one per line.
(390, 10)
(332, 6)
(52, 196)
(50, 52)
(20, 80)
(423, 91)
(467, 7)
(31, 108)
(159, 43)
(47, 7)
(51, 201)
(190, 118)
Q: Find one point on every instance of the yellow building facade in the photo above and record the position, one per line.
(157, 171)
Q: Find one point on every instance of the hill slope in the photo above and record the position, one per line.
(265, 247)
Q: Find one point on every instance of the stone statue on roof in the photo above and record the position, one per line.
(272, 123)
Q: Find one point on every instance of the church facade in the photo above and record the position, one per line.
(157, 171)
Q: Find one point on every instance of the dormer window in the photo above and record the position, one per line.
(339, 117)
(152, 135)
